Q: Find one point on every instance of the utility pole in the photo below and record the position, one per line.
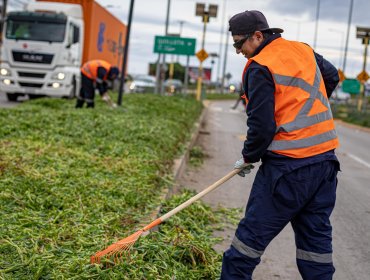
(125, 53)
(317, 24)
(348, 29)
(223, 23)
(225, 61)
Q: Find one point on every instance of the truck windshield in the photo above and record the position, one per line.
(35, 30)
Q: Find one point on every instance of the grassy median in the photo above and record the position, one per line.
(74, 181)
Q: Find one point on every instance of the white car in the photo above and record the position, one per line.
(141, 84)
(340, 96)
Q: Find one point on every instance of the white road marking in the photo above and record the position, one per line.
(217, 109)
(359, 160)
(232, 111)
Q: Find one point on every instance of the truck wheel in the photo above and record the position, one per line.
(12, 96)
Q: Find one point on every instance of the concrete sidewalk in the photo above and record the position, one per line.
(221, 138)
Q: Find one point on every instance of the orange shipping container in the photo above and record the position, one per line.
(104, 36)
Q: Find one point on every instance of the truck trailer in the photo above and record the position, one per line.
(45, 45)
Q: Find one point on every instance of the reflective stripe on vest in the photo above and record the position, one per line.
(314, 257)
(304, 122)
(244, 249)
(90, 68)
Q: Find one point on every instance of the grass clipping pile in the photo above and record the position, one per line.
(74, 181)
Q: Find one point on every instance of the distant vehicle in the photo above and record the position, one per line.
(234, 87)
(367, 89)
(142, 84)
(340, 96)
(173, 86)
(45, 45)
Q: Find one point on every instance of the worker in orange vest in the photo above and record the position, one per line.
(94, 74)
(291, 129)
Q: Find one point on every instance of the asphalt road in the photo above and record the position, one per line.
(222, 137)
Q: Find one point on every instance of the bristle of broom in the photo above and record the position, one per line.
(115, 251)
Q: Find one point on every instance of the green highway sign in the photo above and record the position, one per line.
(351, 86)
(174, 45)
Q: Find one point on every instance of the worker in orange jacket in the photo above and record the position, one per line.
(94, 74)
(291, 129)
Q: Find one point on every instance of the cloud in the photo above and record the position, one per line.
(330, 10)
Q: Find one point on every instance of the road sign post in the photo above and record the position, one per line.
(201, 11)
(364, 34)
(175, 45)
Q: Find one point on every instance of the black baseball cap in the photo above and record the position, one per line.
(113, 71)
(249, 22)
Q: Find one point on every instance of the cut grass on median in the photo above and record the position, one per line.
(74, 181)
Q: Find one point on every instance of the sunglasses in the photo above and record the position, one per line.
(238, 44)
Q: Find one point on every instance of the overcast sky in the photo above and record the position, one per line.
(296, 17)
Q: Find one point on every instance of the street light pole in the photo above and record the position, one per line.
(224, 62)
(181, 22)
(298, 22)
(348, 29)
(125, 53)
(163, 71)
(341, 45)
(3, 14)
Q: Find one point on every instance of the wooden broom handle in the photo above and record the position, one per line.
(199, 195)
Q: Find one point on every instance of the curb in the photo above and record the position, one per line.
(351, 125)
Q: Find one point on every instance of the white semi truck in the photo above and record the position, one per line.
(45, 45)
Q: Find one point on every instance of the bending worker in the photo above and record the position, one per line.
(291, 129)
(95, 73)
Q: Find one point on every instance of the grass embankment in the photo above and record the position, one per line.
(74, 181)
(350, 114)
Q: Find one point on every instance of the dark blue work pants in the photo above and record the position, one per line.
(87, 93)
(305, 197)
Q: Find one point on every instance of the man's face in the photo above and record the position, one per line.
(249, 46)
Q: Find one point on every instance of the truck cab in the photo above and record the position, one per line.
(42, 50)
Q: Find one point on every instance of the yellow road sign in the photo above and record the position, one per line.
(363, 76)
(341, 75)
(202, 55)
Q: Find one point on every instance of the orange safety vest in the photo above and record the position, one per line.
(304, 122)
(90, 68)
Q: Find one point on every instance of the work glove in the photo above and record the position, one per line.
(245, 168)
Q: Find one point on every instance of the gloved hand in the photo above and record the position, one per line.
(105, 97)
(245, 168)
